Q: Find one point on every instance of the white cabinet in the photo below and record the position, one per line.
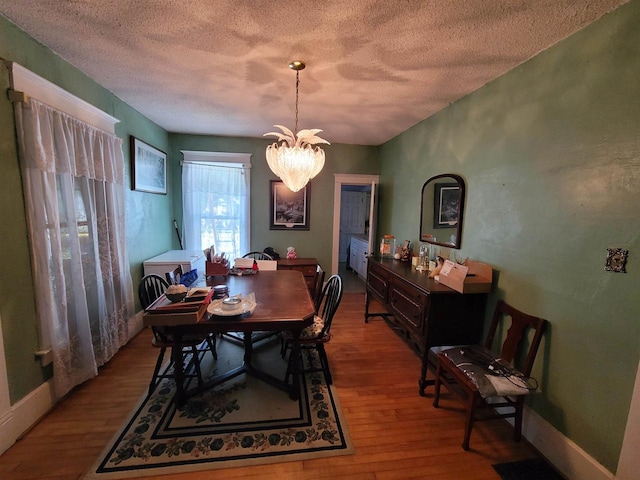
(165, 262)
(358, 256)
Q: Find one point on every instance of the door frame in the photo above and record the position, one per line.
(347, 179)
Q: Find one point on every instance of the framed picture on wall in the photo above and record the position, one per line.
(288, 210)
(148, 168)
(446, 202)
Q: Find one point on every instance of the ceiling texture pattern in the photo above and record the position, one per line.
(374, 67)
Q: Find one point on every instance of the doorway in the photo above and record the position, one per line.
(364, 183)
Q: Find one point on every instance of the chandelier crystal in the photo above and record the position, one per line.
(295, 160)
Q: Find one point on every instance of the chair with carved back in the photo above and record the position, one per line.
(316, 335)
(151, 287)
(174, 276)
(486, 380)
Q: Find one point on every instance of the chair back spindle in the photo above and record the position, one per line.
(318, 282)
(258, 256)
(329, 302)
(150, 288)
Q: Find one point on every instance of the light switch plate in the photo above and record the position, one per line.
(616, 260)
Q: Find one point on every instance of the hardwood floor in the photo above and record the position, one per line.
(397, 433)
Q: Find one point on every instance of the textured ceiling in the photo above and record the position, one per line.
(374, 67)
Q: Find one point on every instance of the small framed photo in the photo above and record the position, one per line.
(148, 168)
(446, 203)
(288, 210)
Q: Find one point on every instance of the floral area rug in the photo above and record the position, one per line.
(243, 421)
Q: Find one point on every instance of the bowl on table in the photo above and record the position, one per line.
(176, 293)
(231, 303)
(176, 297)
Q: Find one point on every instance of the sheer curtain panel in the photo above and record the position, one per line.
(73, 177)
(215, 202)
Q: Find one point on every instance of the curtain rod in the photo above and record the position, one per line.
(17, 97)
(215, 163)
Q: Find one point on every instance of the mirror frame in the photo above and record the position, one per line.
(461, 196)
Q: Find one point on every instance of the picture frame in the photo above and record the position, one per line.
(446, 202)
(148, 168)
(288, 210)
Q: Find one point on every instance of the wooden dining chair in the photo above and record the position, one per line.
(149, 290)
(316, 297)
(315, 336)
(265, 262)
(258, 256)
(318, 282)
(486, 380)
(174, 276)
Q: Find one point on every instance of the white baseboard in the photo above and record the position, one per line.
(136, 325)
(567, 457)
(16, 421)
(24, 414)
(7, 434)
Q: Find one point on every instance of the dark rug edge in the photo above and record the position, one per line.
(528, 469)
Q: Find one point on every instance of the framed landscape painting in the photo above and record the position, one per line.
(148, 168)
(288, 210)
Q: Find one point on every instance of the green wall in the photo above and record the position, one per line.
(315, 242)
(550, 153)
(148, 228)
(149, 217)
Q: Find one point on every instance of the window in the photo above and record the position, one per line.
(215, 199)
(75, 211)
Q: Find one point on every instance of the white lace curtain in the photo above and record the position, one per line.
(73, 176)
(215, 202)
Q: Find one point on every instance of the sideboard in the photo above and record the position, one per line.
(425, 312)
(307, 266)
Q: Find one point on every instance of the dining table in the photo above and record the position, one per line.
(282, 303)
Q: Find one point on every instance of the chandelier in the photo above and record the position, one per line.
(295, 160)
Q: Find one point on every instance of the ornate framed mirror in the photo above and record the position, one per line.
(441, 210)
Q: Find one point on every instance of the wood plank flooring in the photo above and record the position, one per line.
(397, 433)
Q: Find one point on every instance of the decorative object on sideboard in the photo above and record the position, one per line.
(388, 246)
(405, 251)
(295, 160)
(423, 258)
(439, 263)
(291, 253)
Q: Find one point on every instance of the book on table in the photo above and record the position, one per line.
(189, 310)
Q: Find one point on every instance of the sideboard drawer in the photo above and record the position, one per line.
(307, 270)
(307, 266)
(377, 283)
(410, 304)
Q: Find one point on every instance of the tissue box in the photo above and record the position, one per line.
(477, 279)
(216, 269)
